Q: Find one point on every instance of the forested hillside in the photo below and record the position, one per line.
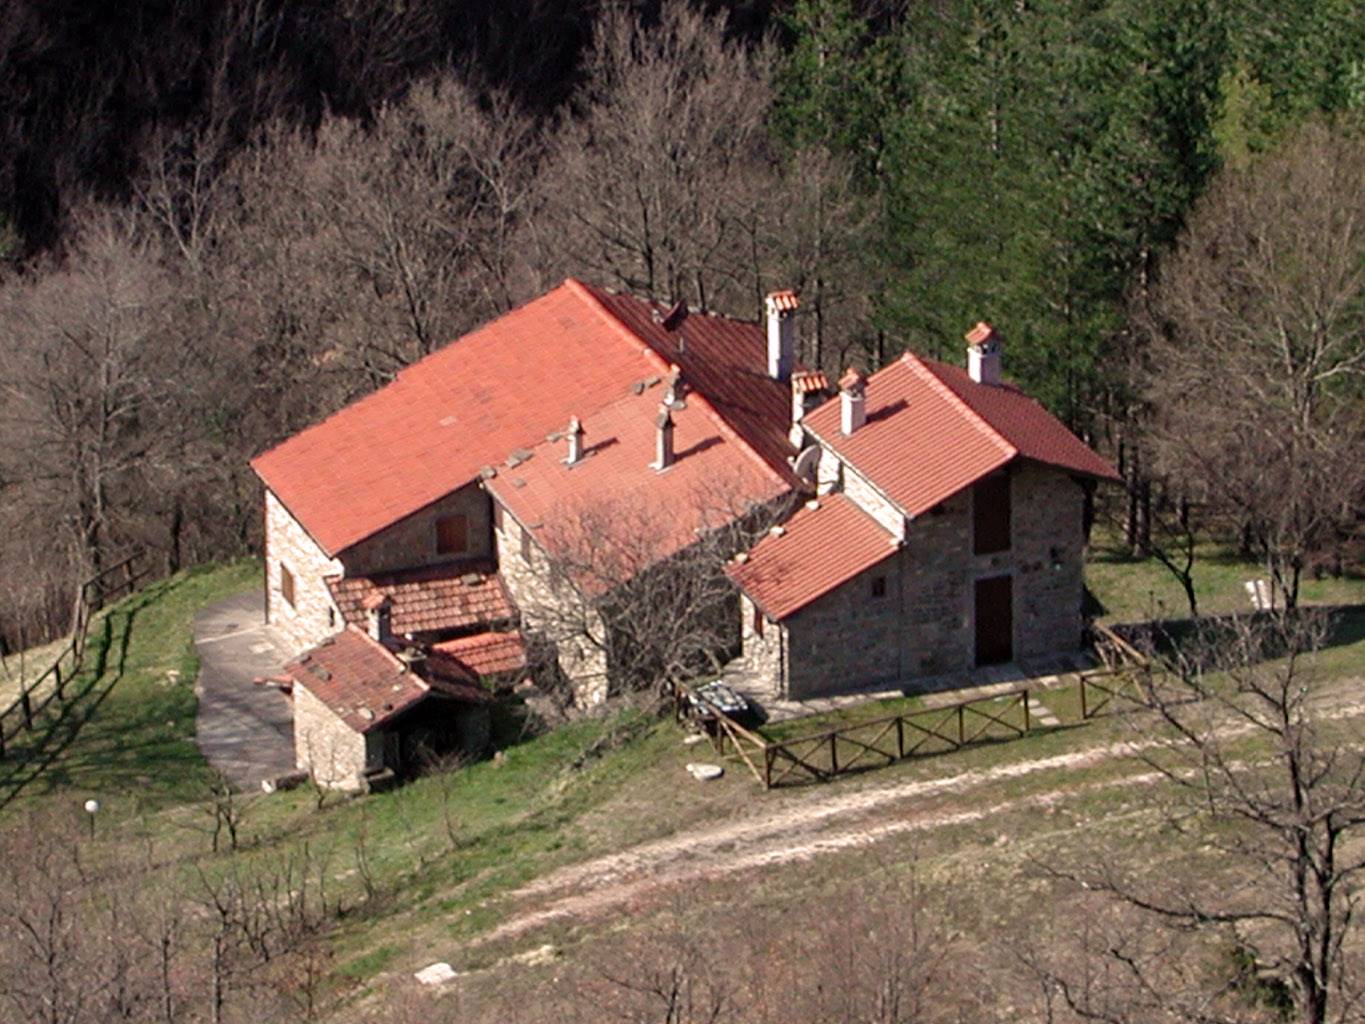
(220, 222)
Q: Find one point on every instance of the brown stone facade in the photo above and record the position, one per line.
(923, 623)
(411, 543)
(556, 613)
(312, 616)
(326, 747)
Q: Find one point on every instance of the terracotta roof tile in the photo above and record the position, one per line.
(714, 478)
(358, 679)
(817, 550)
(433, 599)
(485, 654)
(466, 406)
(932, 431)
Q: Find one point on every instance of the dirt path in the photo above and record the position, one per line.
(826, 822)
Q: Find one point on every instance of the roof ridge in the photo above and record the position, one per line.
(922, 370)
(663, 366)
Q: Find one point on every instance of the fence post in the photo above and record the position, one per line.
(1026, 716)
(900, 738)
(28, 710)
(1085, 714)
(961, 725)
(128, 577)
(767, 768)
(834, 753)
(57, 672)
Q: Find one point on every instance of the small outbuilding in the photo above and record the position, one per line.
(364, 715)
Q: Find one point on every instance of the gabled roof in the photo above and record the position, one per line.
(932, 431)
(484, 654)
(715, 478)
(504, 386)
(432, 599)
(359, 679)
(822, 546)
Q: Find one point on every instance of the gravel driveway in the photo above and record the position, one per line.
(246, 731)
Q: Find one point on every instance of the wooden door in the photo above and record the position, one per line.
(994, 620)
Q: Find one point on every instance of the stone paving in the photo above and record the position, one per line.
(936, 691)
(245, 730)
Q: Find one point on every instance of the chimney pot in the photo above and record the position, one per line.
(852, 401)
(663, 440)
(575, 436)
(983, 354)
(781, 310)
(379, 618)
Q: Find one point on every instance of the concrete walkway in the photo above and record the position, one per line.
(246, 731)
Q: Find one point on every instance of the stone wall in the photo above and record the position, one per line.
(411, 542)
(313, 616)
(925, 626)
(1049, 562)
(861, 492)
(556, 613)
(763, 658)
(327, 748)
(848, 639)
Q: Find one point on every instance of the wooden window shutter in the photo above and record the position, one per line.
(452, 535)
(287, 585)
(991, 514)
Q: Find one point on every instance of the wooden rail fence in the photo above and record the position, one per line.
(92, 595)
(1116, 684)
(825, 755)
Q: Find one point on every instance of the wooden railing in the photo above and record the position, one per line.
(1117, 683)
(830, 753)
(92, 595)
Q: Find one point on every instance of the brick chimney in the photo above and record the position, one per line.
(983, 354)
(781, 308)
(852, 401)
(575, 436)
(663, 440)
(809, 389)
(379, 618)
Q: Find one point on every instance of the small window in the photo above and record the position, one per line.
(758, 622)
(452, 535)
(497, 517)
(526, 545)
(287, 585)
(991, 515)
(878, 586)
(331, 618)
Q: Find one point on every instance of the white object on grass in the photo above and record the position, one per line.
(705, 772)
(436, 974)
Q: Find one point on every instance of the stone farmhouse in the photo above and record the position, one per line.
(930, 515)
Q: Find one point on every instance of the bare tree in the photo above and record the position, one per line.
(1265, 780)
(618, 613)
(1256, 366)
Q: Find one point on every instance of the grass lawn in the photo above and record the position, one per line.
(1134, 589)
(128, 736)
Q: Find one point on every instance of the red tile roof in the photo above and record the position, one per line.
(714, 478)
(485, 654)
(817, 550)
(432, 599)
(358, 679)
(931, 431)
(504, 386)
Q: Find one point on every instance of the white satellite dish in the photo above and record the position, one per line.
(807, 462)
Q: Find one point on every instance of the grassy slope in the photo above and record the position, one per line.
(1132, 590)
(542, 805)
(129, 737)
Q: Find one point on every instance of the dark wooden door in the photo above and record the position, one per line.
(994, 621)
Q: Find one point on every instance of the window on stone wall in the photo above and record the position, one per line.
(497, 517)
(452, 535)
(525, 545)
(287, 585)
(758, 622)
(878, 586)
(991, 514)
